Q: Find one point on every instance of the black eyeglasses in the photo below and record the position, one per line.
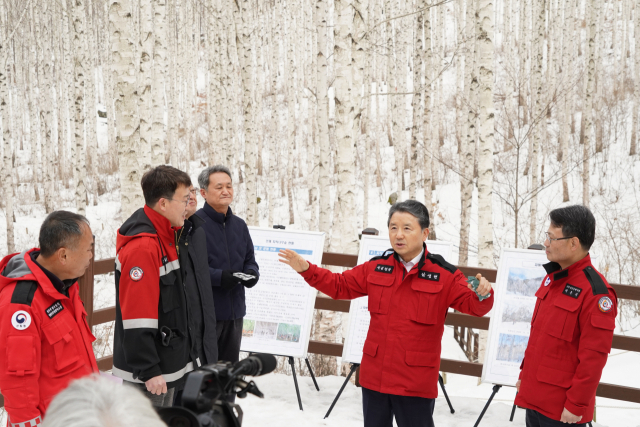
(559, 238)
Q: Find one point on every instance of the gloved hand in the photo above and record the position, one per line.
(251, 282)
(228, 281)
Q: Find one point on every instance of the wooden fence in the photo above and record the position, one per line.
(629, 394)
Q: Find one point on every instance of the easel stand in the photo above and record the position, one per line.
(355, 366)
(446, 396)
(495, 390)
(295, 378)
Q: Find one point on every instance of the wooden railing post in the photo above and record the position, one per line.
(86, 288)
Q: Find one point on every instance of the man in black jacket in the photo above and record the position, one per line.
(230, 251)
(192, 252)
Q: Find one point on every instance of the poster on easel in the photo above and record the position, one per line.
(520, 274)
(280, 306)
(359, 317)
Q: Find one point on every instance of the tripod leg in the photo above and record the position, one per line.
(351, 371)
(313, 377)
(513, 410)
(446, 396)
(495, 390)
(295, 381)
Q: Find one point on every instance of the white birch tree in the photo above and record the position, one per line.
(79, 62)
(486, 120)
(243, 19)
(127, 119)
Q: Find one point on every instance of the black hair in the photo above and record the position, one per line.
(162, 182)
(60, 229)
(414, 208)
(575, 221)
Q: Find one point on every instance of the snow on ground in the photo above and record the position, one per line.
(280, 405)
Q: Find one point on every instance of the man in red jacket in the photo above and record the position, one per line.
(410, 291)
(571, 329)
(44, 335)
(154, 345)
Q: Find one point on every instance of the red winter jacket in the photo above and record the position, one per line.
(45, 339)
(571, 333)
(401, 354)
(151, 336)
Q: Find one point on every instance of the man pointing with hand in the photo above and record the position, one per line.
(410, 291)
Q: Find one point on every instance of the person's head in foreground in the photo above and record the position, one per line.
(571, 233)
(166, 191)
(408, 228)
(99, 402)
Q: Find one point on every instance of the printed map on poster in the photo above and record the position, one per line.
(520, 274)
(359, 316)
(280, 306)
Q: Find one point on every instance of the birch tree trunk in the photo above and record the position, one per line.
(159, 86)
(565, 128)
(7, 179)
(537, 62)
(427, 114)
(345, 237)
(324, 217)
(592, 16)
(636, 81)
(469, 143)
(127, 120)
(243, 46)
(80, 59)
(486, 119)
(50, 160)
(418, 50)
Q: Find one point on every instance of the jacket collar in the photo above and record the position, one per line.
(41, 277)
(420, 263)
(553, 268)
(215, 215)
(162, 225)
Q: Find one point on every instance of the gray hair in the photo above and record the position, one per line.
(98, 402)
(414, 208)
(60, 229)
(203, 178)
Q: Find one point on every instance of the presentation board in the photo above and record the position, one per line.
(359, 317)
(280, 306)
(520, 274)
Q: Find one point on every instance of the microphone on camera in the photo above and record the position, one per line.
(255, 365)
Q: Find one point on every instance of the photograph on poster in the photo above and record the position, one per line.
(518, 312)
(511, 347)
(524, 281)
(359, 317)
(520, 274)
(280, 306)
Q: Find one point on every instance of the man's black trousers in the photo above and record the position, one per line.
(536, 419)
(229, 333)
(380, 408)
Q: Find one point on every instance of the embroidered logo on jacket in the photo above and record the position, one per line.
(427, 275)
(54, 309)
(136, 274)
(21, 320)
(546, 282)
(385, 268)
(605, 304)
(572, 291)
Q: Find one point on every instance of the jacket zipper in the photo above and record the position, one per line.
(226, 245)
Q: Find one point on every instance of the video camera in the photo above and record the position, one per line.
(205, 398)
